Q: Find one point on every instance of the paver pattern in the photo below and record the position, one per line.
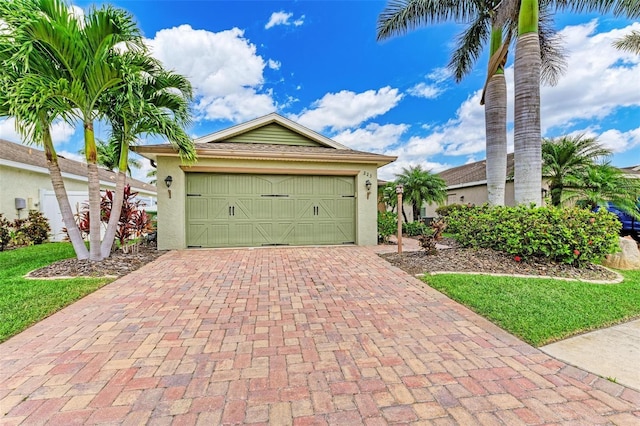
(300, 336)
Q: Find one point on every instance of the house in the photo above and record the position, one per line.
(467, 184)
(25, 185)
(269, 181)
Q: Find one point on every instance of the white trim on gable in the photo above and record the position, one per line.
(263, 121)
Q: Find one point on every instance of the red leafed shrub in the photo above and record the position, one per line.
(134, 222)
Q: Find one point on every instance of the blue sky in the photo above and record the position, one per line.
(318, 63)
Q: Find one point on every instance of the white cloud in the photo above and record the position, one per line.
(8, 130)
(282, 18)
(72, 156)
(599, 80)
(61, 131)
(390, 171)
(274, 65)
(374, 137)
(338, 111)
(224, 68)
(424, 90)
(434, 86)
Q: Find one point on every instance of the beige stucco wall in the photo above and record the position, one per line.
(172, 211)
(29, 184)
(477, 195)
(16, 183)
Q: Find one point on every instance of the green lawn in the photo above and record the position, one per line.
(24, 302)
(541, 311)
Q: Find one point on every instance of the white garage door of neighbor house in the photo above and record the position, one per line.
(244, 210)
(51, 210)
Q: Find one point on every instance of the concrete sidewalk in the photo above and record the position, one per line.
(612, 352)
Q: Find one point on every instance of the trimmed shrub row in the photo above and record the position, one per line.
(568, 235)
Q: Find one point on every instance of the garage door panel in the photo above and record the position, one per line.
(345, 208)
(218, 236)
(198, 184)
(197, 234)
(253, 210)
(197, 209)
(263, 208)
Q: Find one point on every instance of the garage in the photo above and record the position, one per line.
(266, 182)
(236, 210)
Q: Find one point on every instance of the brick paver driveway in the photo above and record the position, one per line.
(296, 335)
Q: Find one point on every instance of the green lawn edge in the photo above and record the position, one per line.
(541, 311)
(24, 302)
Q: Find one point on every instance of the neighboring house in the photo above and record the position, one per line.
(269, 181)
(25, 185)
(467, 184)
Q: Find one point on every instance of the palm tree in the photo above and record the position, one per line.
(88, 51)
(527, 69)
(527, 133)
(156, 103)
(153, 175)
(421, 186)
(33, 120)
(630, 42)
(485, 24)
(109, 156)
(602, 183)
(565, 159)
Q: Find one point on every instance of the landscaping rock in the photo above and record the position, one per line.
(628, 258)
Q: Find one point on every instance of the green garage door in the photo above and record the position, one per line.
(227, 210)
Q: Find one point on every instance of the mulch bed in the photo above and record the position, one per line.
(458, 259)
(118, 265)
(452, 259)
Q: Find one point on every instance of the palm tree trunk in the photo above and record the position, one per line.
(495, 112)
(94, 193)
(116, 206)
(527, 133)
(63, 200)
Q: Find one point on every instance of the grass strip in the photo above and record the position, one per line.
(541, 311)
(23, 302)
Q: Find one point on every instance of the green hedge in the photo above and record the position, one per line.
(569, 235)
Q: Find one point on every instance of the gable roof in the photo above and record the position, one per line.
(471, 174)
(246, 141)
(26, 157)
(239, 129)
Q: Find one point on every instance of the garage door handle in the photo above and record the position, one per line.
(232, 211)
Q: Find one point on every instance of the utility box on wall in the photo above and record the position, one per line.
(21, 203)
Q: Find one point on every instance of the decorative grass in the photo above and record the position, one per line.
(541, 311)
(23, 302)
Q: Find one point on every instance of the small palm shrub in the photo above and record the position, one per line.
(568, 235)
(387, 225)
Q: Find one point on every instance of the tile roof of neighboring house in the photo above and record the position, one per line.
(472, 174)
(632, 170)
(31, 156)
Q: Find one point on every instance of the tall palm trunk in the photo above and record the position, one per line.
(527, 133)
(94, 192)
(118, 199)
(61, 195)
(495, 114)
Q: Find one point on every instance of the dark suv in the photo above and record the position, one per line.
(630, 225)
